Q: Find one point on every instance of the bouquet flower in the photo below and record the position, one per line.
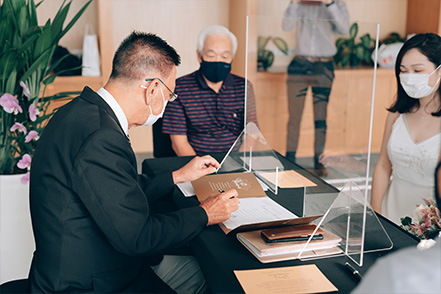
(426, 223)
(25, 62)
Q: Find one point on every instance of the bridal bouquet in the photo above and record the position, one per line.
(25, 60)
(426, 222)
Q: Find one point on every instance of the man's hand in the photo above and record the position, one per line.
(196, 168)
(220, 207)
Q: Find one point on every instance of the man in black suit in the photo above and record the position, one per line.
(92, 216)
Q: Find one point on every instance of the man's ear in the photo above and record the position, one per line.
(150, 91)
(198, 56)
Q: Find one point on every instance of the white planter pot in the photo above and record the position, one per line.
(16, 238)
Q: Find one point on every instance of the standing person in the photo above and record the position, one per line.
(92, 217)
(411, 141)
(209, 114)
(317, 23)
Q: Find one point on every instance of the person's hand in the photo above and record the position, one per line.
(220, 207)
(196, 168)
(343, 161)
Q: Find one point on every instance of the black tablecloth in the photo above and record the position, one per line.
(219, 254)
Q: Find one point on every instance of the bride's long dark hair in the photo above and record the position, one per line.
(429, 45)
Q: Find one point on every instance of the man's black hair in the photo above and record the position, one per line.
(143, 53)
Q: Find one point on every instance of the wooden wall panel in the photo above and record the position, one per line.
(423, 16)
(348, 111)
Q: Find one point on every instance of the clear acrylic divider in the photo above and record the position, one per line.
(350, 226)
(252, 153)
(334, 133)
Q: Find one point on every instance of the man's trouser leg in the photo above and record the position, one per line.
(321, 89)
(297, 87)
(182, 273)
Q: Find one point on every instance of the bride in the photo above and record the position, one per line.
(412, 134)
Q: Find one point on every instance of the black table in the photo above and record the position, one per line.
(220, 254)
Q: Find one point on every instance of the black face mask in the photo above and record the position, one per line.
(215, 71)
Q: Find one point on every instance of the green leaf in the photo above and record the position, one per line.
(50, 79)
(359, 52)
(366, 41)
(10, 84)
(57, 24)
(56, 63)
(32, 13)
(268, 58)
(28, 43)
(38, 4)
(353, 30)
(23, 20)
(35, 66)
(74, 20)
(281, 44)
(261, 42)
(44, 40)
(406, 221)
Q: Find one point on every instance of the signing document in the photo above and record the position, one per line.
(253, 210)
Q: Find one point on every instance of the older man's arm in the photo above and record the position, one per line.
(181, 146)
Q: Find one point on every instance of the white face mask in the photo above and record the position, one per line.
(416, 85)
(153, 118)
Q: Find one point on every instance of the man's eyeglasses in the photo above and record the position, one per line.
(173, 95)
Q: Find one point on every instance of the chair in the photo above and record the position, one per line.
(15, 286)
(162, 145)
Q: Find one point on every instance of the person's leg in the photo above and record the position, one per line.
(297, 87)
(182, 274)
(321, 91)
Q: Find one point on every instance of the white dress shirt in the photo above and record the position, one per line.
(122, 119)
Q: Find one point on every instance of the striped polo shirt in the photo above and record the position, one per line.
(212, 121)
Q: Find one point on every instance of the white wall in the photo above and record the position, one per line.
(177, 21)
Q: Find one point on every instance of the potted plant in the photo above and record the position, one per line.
(265, 57)
(26, 71)
(352, 52)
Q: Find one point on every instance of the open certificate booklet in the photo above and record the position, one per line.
(253, 210)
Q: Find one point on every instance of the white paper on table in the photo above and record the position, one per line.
(186, 189)
(254, 210)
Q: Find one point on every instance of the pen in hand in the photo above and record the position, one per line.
(353, 270)
(222, 191)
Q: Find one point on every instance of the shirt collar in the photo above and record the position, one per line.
(229, 81)
(108, 98)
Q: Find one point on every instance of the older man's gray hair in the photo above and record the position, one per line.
(213, 31)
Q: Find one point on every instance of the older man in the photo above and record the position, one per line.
(209, 113)
(94, 225)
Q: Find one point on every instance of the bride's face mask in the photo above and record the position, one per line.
(416, 85)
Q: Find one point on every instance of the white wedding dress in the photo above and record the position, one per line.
(413, 168)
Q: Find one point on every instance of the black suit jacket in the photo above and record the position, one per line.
(91, 212)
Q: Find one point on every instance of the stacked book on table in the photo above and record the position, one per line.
(291, 244)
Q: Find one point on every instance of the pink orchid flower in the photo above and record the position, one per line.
(33, 135)
(26, 91)
(33, 112)
(10, 104)
(25, 162)
(18, 126)
(24, 179)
